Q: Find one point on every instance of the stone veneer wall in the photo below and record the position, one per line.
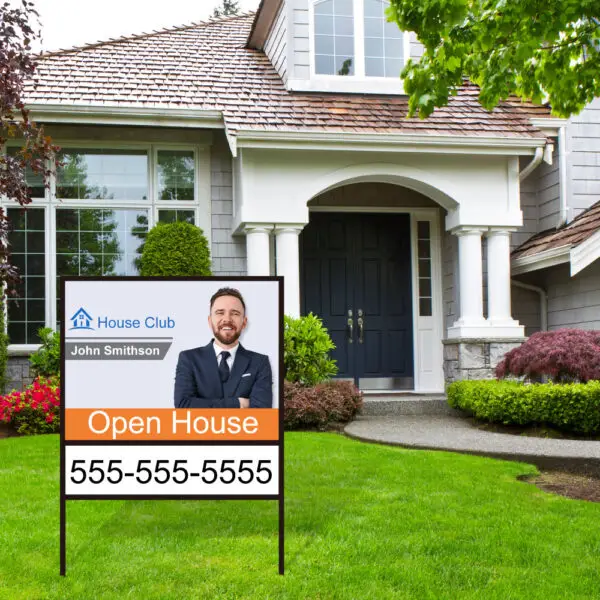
(18, 374)
(474, 358)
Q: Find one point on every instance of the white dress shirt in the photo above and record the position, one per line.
(232, 352)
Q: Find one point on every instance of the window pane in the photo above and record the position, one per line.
(176, 175)
(343, 7)
(108, 241)
(425, 307)
(423, 230)
(425, 287)
(324, 44)
(374, 47)
(344, 26)
(324, 24)
(324, 8)
(344, 46)
(171, 216)
(102, 174)
(393, 67)
(373, 27)
(26, 313)
(373, 8)
(34, 181)
(391, 30)
(393, 48)
(324, 65)
(424, 268)
(374, 67)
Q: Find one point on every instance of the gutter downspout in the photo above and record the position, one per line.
(543, 300)
(562, 173)
(537, 159)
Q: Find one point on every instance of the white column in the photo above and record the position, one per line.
(257, 249)
(499, 313)
(288, 265)
(471, 322)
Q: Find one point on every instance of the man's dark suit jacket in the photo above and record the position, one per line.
(198, 384)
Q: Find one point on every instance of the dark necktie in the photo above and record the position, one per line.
(224, 367)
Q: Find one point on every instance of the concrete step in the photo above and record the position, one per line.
(406, 404)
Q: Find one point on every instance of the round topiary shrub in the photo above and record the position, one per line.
(306, 350)
(175, 249)
(564, 355)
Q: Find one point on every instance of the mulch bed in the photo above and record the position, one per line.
(578, 487)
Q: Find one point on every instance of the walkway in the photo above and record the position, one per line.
(455, 434)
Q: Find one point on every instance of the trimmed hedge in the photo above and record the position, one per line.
(319, 406)
(175, 249)
(573, 407)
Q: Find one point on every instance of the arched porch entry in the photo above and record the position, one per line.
(370, 268)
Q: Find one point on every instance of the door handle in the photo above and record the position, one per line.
(361, 327)
(350, 326)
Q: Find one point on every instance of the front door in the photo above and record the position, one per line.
(356, 276)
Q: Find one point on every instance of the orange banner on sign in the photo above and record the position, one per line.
(166, 424)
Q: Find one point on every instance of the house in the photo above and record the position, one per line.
(283, 134)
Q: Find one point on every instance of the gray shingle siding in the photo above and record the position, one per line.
(583, 163)
(228, 252)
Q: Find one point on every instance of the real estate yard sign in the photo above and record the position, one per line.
(132, 429)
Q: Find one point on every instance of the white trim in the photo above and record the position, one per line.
(541, 260)
(126, 114)
(585, 254)
(421, 213)
(350, 141)
(548, 126)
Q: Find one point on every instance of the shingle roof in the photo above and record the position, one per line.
(207, 66)
(578, 230)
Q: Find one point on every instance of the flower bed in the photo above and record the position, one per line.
(34, 410)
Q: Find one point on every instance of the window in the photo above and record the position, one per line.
(334, 37)
(379, 47)
(424, 254)
(384, 52)
(94, 219)
(27, 311)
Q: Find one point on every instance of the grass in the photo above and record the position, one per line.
(363, 521)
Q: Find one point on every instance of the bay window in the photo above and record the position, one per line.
(93, 221)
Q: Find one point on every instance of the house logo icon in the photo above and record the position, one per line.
(81, 320)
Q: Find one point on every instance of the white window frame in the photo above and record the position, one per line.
(359, 82)
(201, 205)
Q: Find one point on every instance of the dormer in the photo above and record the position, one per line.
(333, 45)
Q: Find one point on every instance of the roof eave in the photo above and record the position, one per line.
(349, 141)
(541, 260)
(263, 21)
(155, 116)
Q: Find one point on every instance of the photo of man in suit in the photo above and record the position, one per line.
(224, 374)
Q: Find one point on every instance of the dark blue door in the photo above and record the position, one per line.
(356, 276)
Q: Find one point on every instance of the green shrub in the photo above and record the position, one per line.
(46, 361)
(3, 345)
(572, 407)
(318, 407)
(306, 350)
(175, 249)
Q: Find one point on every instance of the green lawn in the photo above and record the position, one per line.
(363, 521)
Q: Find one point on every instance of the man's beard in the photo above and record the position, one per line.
(229, 338)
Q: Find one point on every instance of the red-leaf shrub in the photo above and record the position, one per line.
(34, 410)
(564, 355)
(310, 407)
